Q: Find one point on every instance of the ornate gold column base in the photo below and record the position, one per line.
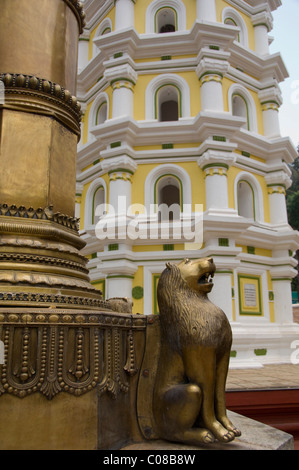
(56, 369)
(40, 260)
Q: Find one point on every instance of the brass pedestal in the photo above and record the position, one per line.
(69, 379)
(51, 317)
(40, 261)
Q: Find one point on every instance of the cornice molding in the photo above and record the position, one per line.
(279, 178)
(251, 7)
(198, 41)
(270, 95)
(263, 18)
(123, 162)
(119, 73)
(216, 158)
(280, 148)
(94, 11)
(131, 133)
(151, 45)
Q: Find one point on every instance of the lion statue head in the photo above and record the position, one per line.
(182, 289)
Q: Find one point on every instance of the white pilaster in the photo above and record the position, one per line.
(122, 99)
(122, 79)
(271, 119)
(271, 101)
(210, 73)
(262, 23)
(206, 10)
(83, 49)
(282, 300)
(119, 286)
(261, 39)
(221, 293)
(278, 211)
(215, 165)
(124, 14)
(120, 190)
(120, 170)
(277, 183)
(119, 270)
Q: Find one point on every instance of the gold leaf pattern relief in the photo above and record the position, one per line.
(50, 353)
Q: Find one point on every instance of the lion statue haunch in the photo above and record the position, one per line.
(189, 393)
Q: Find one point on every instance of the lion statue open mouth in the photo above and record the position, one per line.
(189, 392)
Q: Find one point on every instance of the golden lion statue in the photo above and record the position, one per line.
(189, 392)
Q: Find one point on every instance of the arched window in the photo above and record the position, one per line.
(98, 113)
(246, 200)
(104, 27)
(106, 30)
(94, 202)
(168, 194)
(232, 22)
(164, 16)
(249, 197)
(101, 115)
(231, 17)
(168, 103)
(97, 204)
(168, 184)
(241, 104)
(240, 108)
(167, 98)
(165, 20)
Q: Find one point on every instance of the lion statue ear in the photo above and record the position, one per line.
(169, 265)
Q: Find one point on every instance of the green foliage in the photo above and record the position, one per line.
(293, 196)
(295, 178)
(293, 209)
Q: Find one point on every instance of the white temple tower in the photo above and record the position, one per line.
(181, 106)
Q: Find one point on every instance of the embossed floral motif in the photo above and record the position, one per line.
(69, 352)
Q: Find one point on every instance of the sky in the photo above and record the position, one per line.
(286, 41)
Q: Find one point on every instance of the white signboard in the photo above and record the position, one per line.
(250, 296)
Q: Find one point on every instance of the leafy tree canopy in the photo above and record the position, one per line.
(293, 209)
(295, 177)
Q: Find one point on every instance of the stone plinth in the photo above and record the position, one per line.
(255, 436)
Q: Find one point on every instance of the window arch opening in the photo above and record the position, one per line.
(232, 22)
(168, 198)
(232, 17)
(106, 31)
(166, 20)
(168, 103)
(246, 200)
(101, 115)
(240, 108)
(98, 204)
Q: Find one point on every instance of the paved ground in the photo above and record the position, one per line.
(278, 376)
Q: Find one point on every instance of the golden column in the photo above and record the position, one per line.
(40, 261)
(61, 346)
